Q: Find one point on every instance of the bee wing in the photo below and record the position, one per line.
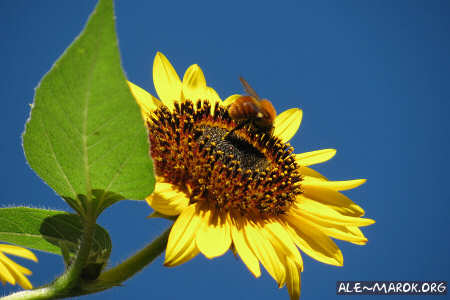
(248, 89)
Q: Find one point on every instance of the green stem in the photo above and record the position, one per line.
(120, 273)
(69, 285)
(63, 286)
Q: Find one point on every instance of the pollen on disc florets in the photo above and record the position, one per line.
(248, 172)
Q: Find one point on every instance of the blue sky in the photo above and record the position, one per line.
(372, 78)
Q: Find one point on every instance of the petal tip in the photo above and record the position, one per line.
(297, 112)
(359, 182)
(339, 259)
(371, 221)
(168, 261)
(160, 58)
(149, 200)
(33, 258)
(167, 264)
(257, 275)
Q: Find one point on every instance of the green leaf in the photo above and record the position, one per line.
(50, 231)
(85, 131)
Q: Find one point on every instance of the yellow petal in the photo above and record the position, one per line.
(146, 102)
(282, 242)
(293, 282)
(182, 236)
(15, 271)
(194, 84)
(314, 157)
(167, 200)
(213, 236)
(242, 248)
(166, 80)
(265, 253)
(316, 210)
(356, 232)
(230, 100)
(287, 123)
(313, 242)
(18, 251)
(335, 200)
(24, 282)
(333, 185)
(189, 253)
(5, 274)
(340, 232)
(22, 270)
(19, 275)
(305, 171)
(212, 96)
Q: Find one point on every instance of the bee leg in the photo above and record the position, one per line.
(239, 126)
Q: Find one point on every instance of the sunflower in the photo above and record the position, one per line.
(10, 271)
(245, 191)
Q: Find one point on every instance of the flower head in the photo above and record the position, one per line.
(245, 190)
(10, 271)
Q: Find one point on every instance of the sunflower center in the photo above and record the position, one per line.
(244, 153)
(246, 172)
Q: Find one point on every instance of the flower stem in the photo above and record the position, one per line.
(64, 285)
(120, 273)
(70, 284)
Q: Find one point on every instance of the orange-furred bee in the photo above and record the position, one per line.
(252, 109)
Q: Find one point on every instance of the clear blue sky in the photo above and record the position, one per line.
(373, 80)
